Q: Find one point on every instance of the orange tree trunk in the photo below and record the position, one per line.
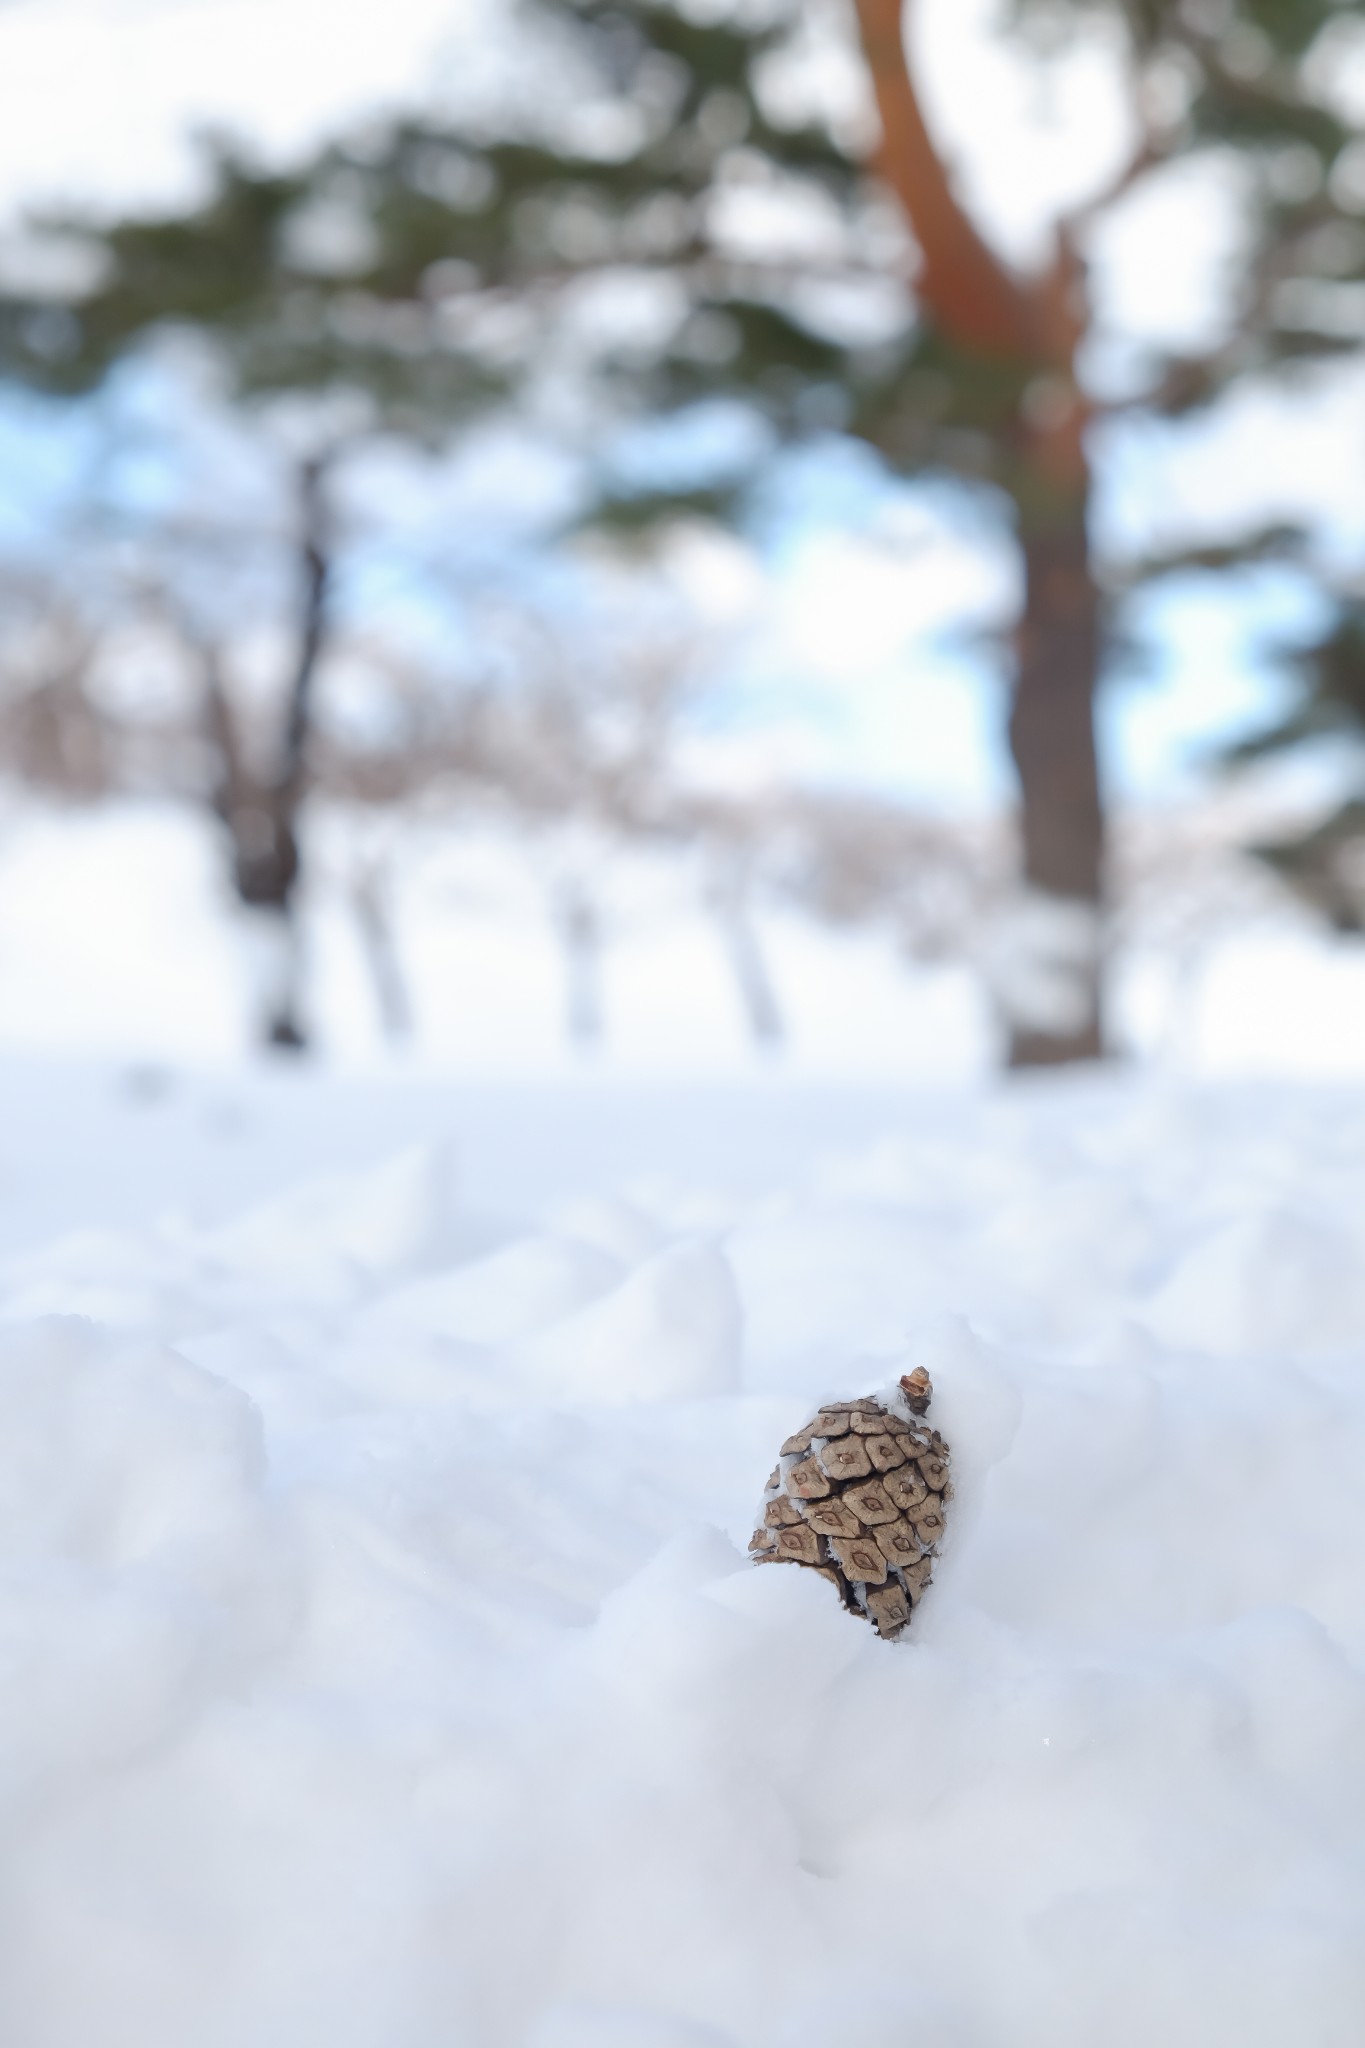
(1048, 960)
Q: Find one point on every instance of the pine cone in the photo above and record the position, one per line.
(859, 1497)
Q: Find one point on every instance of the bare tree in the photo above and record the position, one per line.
(581, 742)
(260, 800)
(54, 735)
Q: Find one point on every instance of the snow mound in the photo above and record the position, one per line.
(382, 1668)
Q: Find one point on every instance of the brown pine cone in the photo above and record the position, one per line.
(859, 1496)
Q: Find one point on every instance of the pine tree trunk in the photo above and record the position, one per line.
(1051, 998)
(1048, 956)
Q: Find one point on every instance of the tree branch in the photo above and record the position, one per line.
(1189, 381)
(1150, 152)
(968, 289)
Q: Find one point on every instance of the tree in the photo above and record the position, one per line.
(240, 273)
(1243, 77)
(976, 371)
(1324, 864)
(662, 155)
(425, 274)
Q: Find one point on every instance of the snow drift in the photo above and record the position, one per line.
(381, 1668)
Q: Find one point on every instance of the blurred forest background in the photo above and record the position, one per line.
(810, 528)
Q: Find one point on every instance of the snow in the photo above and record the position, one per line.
(381, 1665)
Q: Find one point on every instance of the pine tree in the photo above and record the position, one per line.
(1324, 865)
(1230, 76)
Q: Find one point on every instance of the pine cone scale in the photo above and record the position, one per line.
(859, 1559)
(832, 1518)
(871, 1503)
(907, 1489)
(845, 1459)
(807, 1482)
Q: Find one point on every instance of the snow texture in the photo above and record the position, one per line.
(380, 1666)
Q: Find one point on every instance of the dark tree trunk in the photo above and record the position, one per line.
(261, 810)
(316, 566)
(1053, 1009)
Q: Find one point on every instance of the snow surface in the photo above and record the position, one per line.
(381, 1667)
